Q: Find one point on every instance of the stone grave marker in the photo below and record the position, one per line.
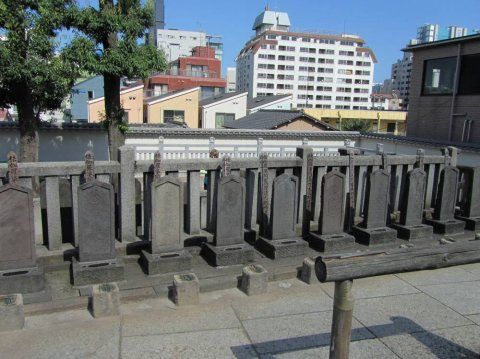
(444, 221)
(229, 247)
(411, 225)
(280, 239)
(167, 253)
(97, 262)
(470, 211)
(373, 230)
(19, 272)
(331, 236)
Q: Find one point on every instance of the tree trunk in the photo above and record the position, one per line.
(113, 113)
(28, 124)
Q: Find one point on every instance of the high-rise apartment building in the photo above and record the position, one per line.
(433, 32)
(319, 70)
(159, 24)
(400, 78)
(231, 79)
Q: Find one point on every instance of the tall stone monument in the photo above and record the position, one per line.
(19, 272)
(97, 261)
(470, 209)
(279, 239)
(444, 221)
(331, 236)
(373, 230)
(167, 253)
(411, 225)
(229, 247)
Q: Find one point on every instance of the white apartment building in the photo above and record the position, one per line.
(319, 70)
(231, 79)
(180, 43)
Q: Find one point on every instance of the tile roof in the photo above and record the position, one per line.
(264, 100)
(220, 97)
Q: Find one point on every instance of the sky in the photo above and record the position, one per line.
(386, 26)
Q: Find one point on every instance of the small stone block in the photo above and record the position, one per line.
(328, 243)
(185, 289)
(471, 223)
(307, 274)
(254, 279)
(375, 236)
(414, 233)
(228, 255)
(28, 280)
(12, 316)
(449, 226)
(105, 300)
(163, 263)
(88, 273)
(281, 248)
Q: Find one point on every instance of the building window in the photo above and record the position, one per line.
(438, 76)
(90, 95)
(173, 116)
(391, 127)
(221, 118)
(469, 83)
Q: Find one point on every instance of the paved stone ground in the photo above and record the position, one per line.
(427, 314)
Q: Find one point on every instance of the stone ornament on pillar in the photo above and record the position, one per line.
(97, 262)
(229, 247)
(331, 236)
(444, 221)
(167, 253)
(19, 272)
(374, 228)
(279, 240)
(470, 209)
(411, 225)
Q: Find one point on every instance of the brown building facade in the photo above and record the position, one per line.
(445, 90)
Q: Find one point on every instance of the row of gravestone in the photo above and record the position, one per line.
(97, 261)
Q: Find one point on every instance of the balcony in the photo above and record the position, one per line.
(189, 73)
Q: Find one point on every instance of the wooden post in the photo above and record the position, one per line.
(342, 320)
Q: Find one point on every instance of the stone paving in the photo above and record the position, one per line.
(427, 314)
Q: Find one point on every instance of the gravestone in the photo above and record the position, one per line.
(167, 253)
(374, 228)
(19, 272)
(229, 247)
(279, 239)
(470, 211)
(97, 262)
(444, 221)
(331, 236)
(411, 225)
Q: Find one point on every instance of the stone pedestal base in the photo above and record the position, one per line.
(451, 226)
(11, 312)
(98, 272)
(331, 242)
(166, 262)
(419, 232)
(254, 279)
(105, 300)
(228, 255)
(25, 280)
(307, 274)
(471, 223)
(281, 248)
(186, 289)
(374, 236)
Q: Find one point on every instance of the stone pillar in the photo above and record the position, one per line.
(193, 202)
(53, 214)
(127, 194)
(303, 152)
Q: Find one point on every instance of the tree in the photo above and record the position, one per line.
(108, 43)
(356, 125)
(34, 75)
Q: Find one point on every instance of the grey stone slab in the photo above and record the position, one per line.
(282, 248)
(54, 224)
(472, 204)
(105, 300)
(375, 236)
(462, 297)
(186, 289)
(71, 339)
(361, 349)
(167, 215)
(459, 342)
(448, 226)
(333, 211)
(179, 319)
(167, 262)
(295, 332)
(88, 273)
(446, 194)
(127, 193)
(11, 312)
(385, 316)
(251, 185)
(381, 286)
(17, 241)
(192, 225)
(96, 221)
(438, 276)
(230, 211)
(283, 214)
(376, 202)
(411, 206)
(230, 343)
(331, 242)
(27, 280)
(228, 255)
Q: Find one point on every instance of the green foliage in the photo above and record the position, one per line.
(356, 125)
(31, 63)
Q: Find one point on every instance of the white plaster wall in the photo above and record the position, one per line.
(238, 106)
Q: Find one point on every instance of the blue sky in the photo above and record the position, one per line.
(385, 25)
